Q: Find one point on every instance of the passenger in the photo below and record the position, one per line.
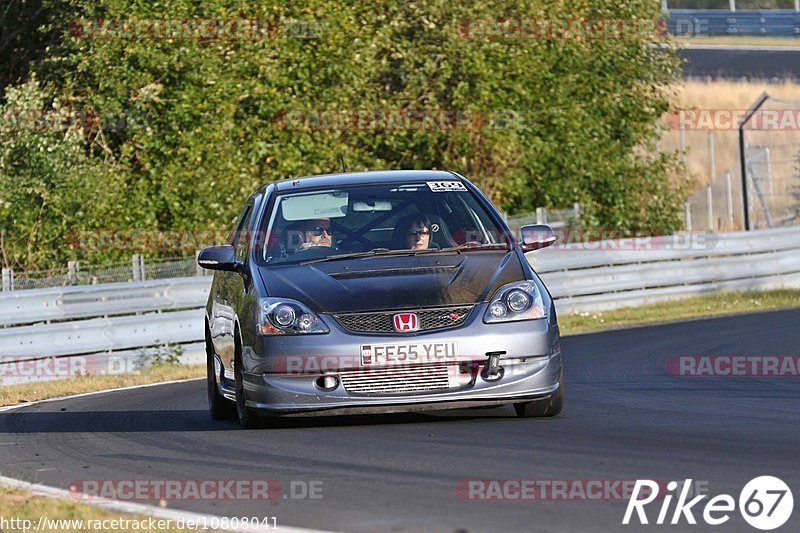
(317, 232)
(413, 231)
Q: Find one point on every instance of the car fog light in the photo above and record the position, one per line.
(327, 382)
(498, 310)
(306, 322)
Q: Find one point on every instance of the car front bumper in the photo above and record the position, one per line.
(281, 377)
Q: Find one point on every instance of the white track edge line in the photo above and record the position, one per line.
(114, 505)
(94, 393)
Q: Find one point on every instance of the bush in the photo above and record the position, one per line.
(201, 123)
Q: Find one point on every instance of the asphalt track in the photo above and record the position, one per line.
(625, 418)
(736, 63)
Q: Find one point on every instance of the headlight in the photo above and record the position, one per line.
(281, 316)
(515, 301)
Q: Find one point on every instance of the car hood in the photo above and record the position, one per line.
(394, 282)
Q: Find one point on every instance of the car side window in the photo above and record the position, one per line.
(241, 236)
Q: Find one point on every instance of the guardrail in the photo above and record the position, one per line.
(67, 303)
(103, 329)
(121, 326)
(717, 22)
(607, 275)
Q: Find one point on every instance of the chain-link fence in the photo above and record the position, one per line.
(137, 269)
(771, 162)
(716, 207)
(555, 218)
(772, 146)
(730, 5)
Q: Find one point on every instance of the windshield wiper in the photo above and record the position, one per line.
(474, 245)
(381, 252)
(353, 255)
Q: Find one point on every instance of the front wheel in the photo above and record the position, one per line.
(246, 415)
(219, 407)
(550, 406)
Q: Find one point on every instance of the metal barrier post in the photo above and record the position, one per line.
(743, 155)
(8, 279)
(687, 216)
(199, 271)
(729, 195)
(769, 172)
(711, 159)
(137, 267)
(541, 215)
(710, 205)
(72, 272)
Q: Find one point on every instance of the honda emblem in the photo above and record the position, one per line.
(406, 322)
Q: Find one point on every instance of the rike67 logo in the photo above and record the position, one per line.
(765, 503)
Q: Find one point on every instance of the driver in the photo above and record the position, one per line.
(316, 232)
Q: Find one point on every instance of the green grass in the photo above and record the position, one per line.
(22, 505)
(28, 392)
(705, 306)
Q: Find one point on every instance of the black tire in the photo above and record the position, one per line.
(544, 407)
(247, 416)
(219, 407)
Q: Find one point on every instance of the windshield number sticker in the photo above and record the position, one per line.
(445, 186)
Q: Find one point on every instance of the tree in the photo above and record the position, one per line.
(543, 121)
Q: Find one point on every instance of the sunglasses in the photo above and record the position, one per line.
(319, 230)
(418, 234)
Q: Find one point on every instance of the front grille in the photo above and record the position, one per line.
(397, 380)
(381, 321)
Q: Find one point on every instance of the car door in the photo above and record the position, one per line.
(227, 289)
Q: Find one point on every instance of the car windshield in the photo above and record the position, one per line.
(373, 220)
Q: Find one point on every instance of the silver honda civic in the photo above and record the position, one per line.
(378, 292)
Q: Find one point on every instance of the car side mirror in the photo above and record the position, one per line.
(220, 257)
(535, 237)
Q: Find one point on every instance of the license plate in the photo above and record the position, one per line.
(408, 353)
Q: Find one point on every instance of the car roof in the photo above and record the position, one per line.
(362, 178)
